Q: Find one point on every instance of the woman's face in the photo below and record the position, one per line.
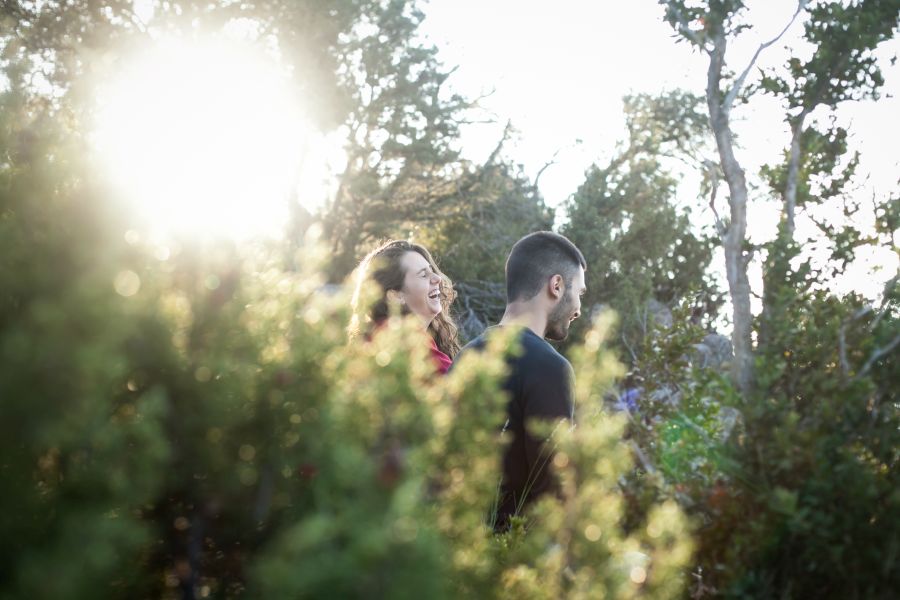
(421, 289)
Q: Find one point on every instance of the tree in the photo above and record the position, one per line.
(812, 421)
(360, 66)
(473, 239)
(815, 168)
(639, 245)
(402, 164)
(82, 451)
(841, 68)
(59, 43)
(716, 25)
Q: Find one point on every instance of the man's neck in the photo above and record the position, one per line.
(526, 315)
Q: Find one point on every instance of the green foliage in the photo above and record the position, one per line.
(403, 167)
(474, 239)
(819, 177)
(639, 245)
(82, 453)
(826, 482)
(793, 490)
(843, 66)
(699, 22)
(190, 419)
(575, 546)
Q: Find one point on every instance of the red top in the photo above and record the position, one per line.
(442, 361)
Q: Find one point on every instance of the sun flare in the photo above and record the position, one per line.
(203, 138)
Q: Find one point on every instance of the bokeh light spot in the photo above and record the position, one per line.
(383, 358)
(127, 283)
(203, 374)
(592, 533)
(247, 452)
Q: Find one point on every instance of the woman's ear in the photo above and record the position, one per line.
(395, 297)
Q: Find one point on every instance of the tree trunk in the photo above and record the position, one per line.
(790, 187)
(733, 243)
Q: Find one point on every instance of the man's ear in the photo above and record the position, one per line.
(557, 286)
(395, 297)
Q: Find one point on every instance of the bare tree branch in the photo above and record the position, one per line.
(888, 289)
(842, 338)
(842, 350)
(547, 165)
(736, 88)
(713, 170)
(631, 351)
(877, 355)
(645, 462)
(793, 173)
(507, 131)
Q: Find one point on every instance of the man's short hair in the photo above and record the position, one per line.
(537, 257)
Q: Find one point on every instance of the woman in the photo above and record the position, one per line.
(408, 276)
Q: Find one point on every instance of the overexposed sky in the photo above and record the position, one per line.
(559, 71)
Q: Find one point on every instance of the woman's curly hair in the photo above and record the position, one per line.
(383, 266)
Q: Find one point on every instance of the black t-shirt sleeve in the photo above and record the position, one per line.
(548, 391)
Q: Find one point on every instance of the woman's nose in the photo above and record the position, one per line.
(435, 278)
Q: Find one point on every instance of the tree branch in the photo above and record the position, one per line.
(712, 169)
(645, 462)
(876, 356)
(736, 88)
(842, 338)
(547, 165)
(888, 289)
(507, 130)
(630, 349)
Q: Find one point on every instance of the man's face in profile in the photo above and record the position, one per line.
(567, 309)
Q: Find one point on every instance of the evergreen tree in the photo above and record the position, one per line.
(639, 242)
(792, 470)
(474, 239)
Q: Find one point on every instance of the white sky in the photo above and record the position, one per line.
(559, 72)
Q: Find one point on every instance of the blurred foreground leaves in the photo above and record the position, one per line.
(187, 420)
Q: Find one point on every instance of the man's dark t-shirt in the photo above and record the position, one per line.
(539, 387)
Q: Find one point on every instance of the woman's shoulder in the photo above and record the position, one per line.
(442, 361)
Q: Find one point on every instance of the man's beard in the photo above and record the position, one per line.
(558, 320)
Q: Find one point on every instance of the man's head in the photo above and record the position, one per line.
(546, 268)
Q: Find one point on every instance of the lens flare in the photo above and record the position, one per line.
(203, 137)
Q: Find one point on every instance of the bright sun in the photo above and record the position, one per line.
(203, 138)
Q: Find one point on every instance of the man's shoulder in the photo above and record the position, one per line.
(477, 343)
(535, 350)
(538, 349)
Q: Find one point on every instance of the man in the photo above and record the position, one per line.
(544, 285)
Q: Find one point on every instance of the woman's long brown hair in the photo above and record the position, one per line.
(383, 265)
